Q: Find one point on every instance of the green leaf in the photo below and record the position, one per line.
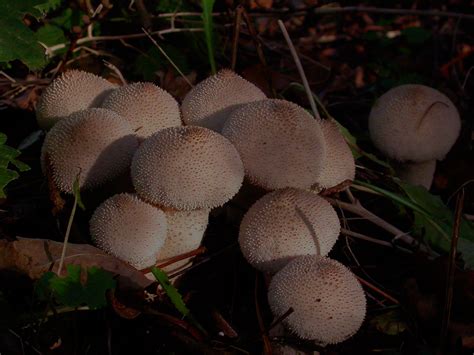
(207, 6)
(171, 291)
(416, 35)
(71, 292)
(50, 35)
(389, 323)
(17, 41)
(48, 6)
(8, 155)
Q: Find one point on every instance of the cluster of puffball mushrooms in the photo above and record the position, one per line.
(185, 161)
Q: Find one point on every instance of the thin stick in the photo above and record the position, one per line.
(280, 319)
(235, 44)
(378, 290)
(452, 267)
(68, 231)
(366, 238)
(300, 69)
(116, 71)
(267, 347)
(167, 57)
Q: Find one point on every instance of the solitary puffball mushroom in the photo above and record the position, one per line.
(96, 143)
(285, 224)
(328, 302)
(414, 124)
(147, 107)
(185, 232)
(187, 168)
(281, 144)
(73, 91)
(340, 164)
(129, 229)
(210, 102)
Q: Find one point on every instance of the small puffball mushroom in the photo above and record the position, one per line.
(281, 144)
(328, 302)
(187, 168)
(340, 164)
(414, 123)
(285, 224)
(97, 143)
(210, 102)
(73, 91)
(147, 107)
(130, 229)
(185, 232)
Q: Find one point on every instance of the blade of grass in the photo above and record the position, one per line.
(207, 6)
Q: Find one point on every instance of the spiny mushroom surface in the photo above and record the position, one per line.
(340, 164)
(328, 302)
(185, 232)
(130, 229)
(97, 143)
(285, 224)
(414, 123)
(210, 102)
(73, 91)
(281, 144)
(187, 168)
(147, 107)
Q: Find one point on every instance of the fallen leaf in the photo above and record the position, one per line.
(37, 256)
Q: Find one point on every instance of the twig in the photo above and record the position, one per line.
(451, 268)
(378, 290)
(52, 49)
(116, 71)
(235, 44)
(366, 238)
(300, 69)
(149, 35)
(280, 319)
(361, 211)
(177, 258)
(143, 12)
(267, 347)
(68, 229)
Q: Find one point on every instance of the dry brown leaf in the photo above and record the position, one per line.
(37, 256)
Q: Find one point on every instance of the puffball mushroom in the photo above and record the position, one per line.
(73, 91)
(328, 302)
(417, 173)
(97, 143)
(187, 168)
(285, 224)
(414, 124)
(281, 144)
(340, 164)
(210, 102)
(185, 232)
(129, 229)
(147, 107)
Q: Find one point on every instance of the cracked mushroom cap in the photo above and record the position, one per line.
(147, 107)
(414, 123)
(96, 142)
(185, 232)
(210, 102)
(285, 224)
(281, 144)
(129, 229)
(187, 168)
(340, 164)
(328, 302)
(73, 91)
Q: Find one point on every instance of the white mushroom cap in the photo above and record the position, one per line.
(187, 168)
(285, 224)
(414, 123)
(96, 142)
(73, 91)
(147, 107)
(281, 144)
(418, 173)
(328, 302)
(130, 229)
(185, 232)
(210, 102)
(340, 164)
